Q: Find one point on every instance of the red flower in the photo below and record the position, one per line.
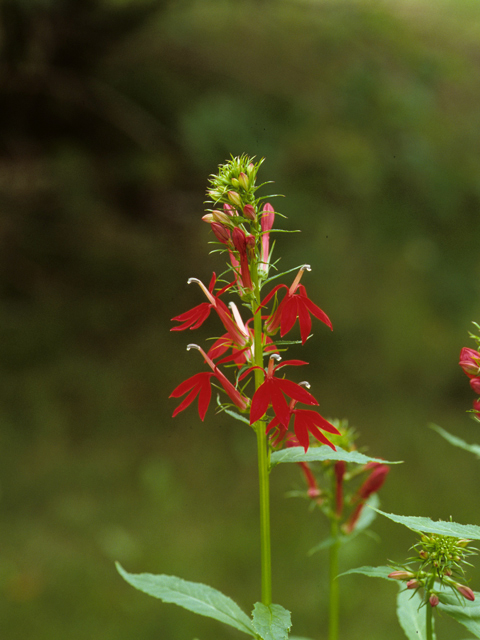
(470, 362)
(371, 485)
(195, 317)
(305, 421)
(271, 391)
(199, 384)
(294, 305)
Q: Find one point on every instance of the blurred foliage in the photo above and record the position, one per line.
(114, 113)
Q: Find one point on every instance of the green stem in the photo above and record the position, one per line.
(263, 455)
(334, 612)
(429, 617)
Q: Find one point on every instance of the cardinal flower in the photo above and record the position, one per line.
(272, 390)
(199, 385)
(195, 317)
(295, 304)
(305, 421)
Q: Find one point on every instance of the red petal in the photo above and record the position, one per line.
(204, 398)
(194, 317)
(295, 391)
(269, 296)
(289, 315)
(260, 402)
(312, 307)
(186, 401)
(301, 431)
(304, 320)
(279, 404)
(189, 383)
(320, 421)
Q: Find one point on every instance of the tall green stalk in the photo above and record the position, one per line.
(429, 613)
(334, 606)
(263, 455)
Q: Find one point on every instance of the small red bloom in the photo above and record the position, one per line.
(470, 362)
(199, 384)
(271, 391)
(195, 317)
(294, 305)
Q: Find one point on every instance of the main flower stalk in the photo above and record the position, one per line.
(263, 451)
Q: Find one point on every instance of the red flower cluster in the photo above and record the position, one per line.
(242, 224)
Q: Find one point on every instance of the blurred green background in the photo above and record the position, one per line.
(114, 113)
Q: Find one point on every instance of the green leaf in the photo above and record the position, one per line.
(466, 613)
(193, 596)
(411, 616)
(425, 525)
(236, 415)
(320, 454)
(299, 638)
(371, 572)
(457, 442)
(272, 622)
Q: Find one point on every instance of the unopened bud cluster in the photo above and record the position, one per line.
(441, 559)
(239, 221)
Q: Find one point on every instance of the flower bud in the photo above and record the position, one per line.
(423, 554)
(221, 216)
(249, 212)
(414, 584)
(463, 542)
(243, 180)
(470, 362)
(465, 591)
(235, 198)
(221, 232)
(475, 384)
(250, 168)
(401, 575)
(434, 601)
(229, 210)
(235, 182)
(208, 217)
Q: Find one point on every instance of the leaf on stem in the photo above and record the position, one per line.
(426, 525)
(466, 613)
(371, 572)
(271, 622)
(457, 442)
(319, 454)
(193, 596)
